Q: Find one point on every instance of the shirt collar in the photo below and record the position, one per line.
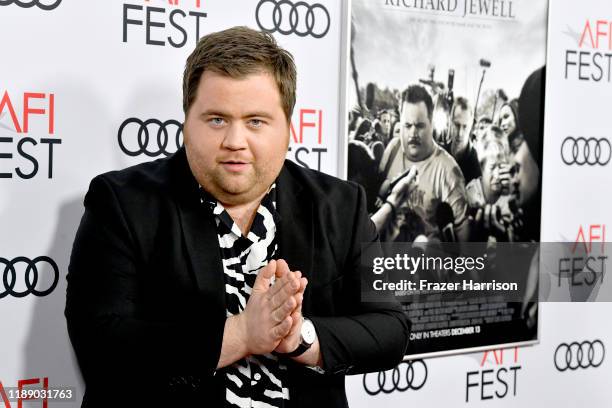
(217, 209)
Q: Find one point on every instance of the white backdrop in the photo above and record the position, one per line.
(67, 70)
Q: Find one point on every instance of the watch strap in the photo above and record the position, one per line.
(301, 349)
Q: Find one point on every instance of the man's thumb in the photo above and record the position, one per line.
(264, 277)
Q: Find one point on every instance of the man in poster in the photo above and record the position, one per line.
(440, 181)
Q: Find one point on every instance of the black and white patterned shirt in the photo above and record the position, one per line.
(255, 381)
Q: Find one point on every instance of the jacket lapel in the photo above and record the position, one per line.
(296, 242)
(199, 234)
(295, 229)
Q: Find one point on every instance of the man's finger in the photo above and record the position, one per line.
(280, 330)
(281, 284)
(284, 310)
(296, 316)
(278, 285)
(264, 277)
(278, 299)
(281, 268)
(303, 284)
(300, 299)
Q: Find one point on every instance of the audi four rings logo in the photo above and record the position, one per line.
(407, 375)
(151, 137)
(590, 151)
(11, 281)
(41, 4)
(579, 355)
(298, 18)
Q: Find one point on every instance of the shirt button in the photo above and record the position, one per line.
(257, 376)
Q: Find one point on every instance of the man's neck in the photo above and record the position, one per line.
(244, 214)
(459, 151)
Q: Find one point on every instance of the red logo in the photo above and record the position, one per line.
(587, 65)
(38, 112)
(176, 2)
(306, 128)
(585, 263)
(586, 236)
(591, 36)
(497, 356)
(45, 108)
(18, 396)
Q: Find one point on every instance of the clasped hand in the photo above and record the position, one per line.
(272, 318)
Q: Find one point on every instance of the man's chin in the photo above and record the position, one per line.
(235, 188)
(414, 153)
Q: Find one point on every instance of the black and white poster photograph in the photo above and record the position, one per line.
(445, 124)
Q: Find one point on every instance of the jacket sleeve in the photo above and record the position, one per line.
(370, 336)
(106, 326)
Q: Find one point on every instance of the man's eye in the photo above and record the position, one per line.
(256, 123)
(217, 121)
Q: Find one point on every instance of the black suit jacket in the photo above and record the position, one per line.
(146, 301)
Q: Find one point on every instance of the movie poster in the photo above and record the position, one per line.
(445, 112)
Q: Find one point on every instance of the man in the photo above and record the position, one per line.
(193, 279)
(439, 178)
(492, 196)
(385, 122)
(497, 172)
(483, 123)
(461, 147)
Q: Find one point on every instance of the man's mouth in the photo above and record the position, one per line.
(234, 165)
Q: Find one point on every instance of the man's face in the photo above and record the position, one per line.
(507, 122)
(490, 181)
(481, 129)
(385, 122)
(416, 131)
(236, 136)
(461, 124)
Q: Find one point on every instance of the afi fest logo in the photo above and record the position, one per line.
(27, 134)
(590, 59)
(163, 22)
(306, 129)
(497, 377)
(585, 264)
(41, 4)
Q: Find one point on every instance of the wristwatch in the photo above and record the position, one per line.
(308, 335)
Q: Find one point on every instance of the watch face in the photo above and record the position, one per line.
(308, 332)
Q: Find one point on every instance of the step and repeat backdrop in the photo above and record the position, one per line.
(92, 86)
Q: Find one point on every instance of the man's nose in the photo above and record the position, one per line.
(235, 137)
